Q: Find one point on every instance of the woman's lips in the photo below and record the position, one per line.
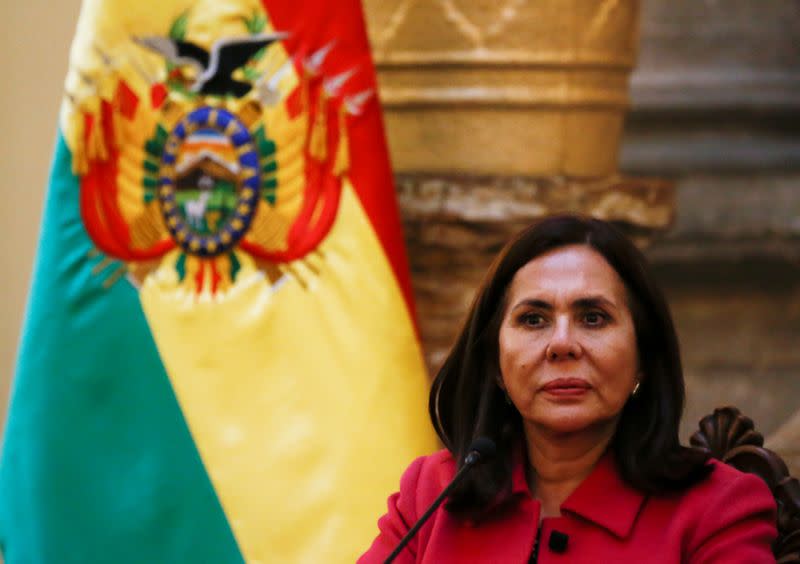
(566, 387)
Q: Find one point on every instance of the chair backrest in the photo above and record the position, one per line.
(731, 437)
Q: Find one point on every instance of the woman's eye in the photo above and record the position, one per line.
(532, 319)
(595, 318)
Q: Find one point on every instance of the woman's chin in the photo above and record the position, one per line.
(566, 419)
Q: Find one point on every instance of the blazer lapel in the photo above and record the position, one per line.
(605, 499)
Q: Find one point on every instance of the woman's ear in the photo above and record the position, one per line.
(498, 378)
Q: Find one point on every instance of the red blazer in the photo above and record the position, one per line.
(727, 518)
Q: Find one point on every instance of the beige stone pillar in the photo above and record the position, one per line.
(499, 112)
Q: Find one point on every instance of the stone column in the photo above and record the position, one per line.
(498, 113)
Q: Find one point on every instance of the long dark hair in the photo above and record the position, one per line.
(466, 401)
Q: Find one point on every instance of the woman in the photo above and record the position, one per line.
(569, 362)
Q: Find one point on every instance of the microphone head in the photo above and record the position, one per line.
(481, 449)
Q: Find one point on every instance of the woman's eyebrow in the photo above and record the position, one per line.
(592, 301)
(539, 304)
(581, 303)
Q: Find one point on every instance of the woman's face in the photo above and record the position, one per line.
(568, 355)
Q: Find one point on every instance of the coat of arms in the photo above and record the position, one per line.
(232, 151)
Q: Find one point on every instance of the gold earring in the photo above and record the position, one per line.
(635, 389)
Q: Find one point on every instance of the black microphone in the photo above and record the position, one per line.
(480, 450)
(558, 542)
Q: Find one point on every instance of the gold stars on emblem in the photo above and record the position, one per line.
(173, 222)
(249, 171)
(237, 224)
(182, 235)
(211, 246)
(231, 128)
(225, 237)
(247, 193)
(212, 218)
(243, 209)
(244, 149)
(194, 245)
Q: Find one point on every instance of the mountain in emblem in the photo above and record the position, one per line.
(192, 160)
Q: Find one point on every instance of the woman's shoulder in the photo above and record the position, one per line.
(729, 508)
(725, 479)
(725, 505)
(421, 483)
(724, 486)
(427, 475)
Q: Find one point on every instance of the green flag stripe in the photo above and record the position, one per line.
(98, 464)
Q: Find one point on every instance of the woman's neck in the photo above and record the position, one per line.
(560, 462)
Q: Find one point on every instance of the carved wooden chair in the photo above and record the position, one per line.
(730, 437)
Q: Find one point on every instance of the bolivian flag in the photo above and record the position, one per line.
(219, 361)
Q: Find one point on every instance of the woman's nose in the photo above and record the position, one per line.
(563, 344)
